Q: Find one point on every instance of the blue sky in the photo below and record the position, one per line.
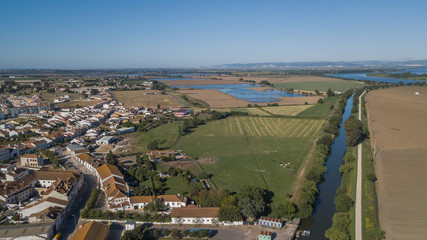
(184, 33)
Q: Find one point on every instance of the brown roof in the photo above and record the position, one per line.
(107, 170)
(50, 174)
(195, 212)
(140, 199)
(169, 198)
(29, 156)
(84, 157)
(92, 231)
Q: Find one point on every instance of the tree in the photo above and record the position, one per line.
(185, 233)
(153, 145)
(251, 208)
(375, 233)
(330, 93)
(316, 92)
(265, 82)
(175, 233)
(111, 159)
(335, 234)
(343, 203)
(353, 131)
(166, 232)
(203, 233)
(229, 213)
(371, 177)
(286, 209)
(156, 233)
(142, 190)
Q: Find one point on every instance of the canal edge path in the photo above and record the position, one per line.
(358, 208)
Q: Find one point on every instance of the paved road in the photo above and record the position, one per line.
(90, 182)
(358, 209)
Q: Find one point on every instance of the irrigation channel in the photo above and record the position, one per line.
(325, 208)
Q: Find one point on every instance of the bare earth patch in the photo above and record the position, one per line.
(397, 123)
(215, 98)
(144, 98)
(181, 164)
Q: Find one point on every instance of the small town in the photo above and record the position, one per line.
(213, 120)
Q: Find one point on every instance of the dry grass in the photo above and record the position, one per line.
(287, 110)
(215, 98)
(139, 99)
(397, 120)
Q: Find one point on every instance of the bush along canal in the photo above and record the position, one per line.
(324, 208)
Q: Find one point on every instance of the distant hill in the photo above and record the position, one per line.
(324, 65)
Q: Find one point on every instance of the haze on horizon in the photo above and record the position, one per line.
(190, 33)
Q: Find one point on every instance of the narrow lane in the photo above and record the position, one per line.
(358, 208)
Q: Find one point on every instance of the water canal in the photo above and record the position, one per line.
(324, 207)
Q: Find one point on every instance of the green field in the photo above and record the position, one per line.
(250, 150)
(323, 86)
(255, 111)
(166, 135)
(319, 110)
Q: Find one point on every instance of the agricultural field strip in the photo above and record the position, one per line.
(309, 131)
(256, 129)
(265, 127)
(247, 127)
(262, 126)
(270, 128)
(317, 130)
(225, 129)
(296, 128)
(238, 125)
(310, 123)
(290, 127)
(277, 127)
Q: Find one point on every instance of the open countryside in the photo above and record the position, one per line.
(398, 130)
(261, 151)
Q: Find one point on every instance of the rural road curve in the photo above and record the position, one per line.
(358, 209)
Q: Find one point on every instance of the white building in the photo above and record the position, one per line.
(105, 140)
(194, 215)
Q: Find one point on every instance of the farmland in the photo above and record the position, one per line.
(165, 135)
(322, 86)
(286, 110)
(253, 150)
(140, 99)
(397, 128)
(215, 98)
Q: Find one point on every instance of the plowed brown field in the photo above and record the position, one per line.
(398, 125)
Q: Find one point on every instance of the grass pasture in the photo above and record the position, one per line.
(286, 110)
(322, 86)
(319, 110)
(250, 150)
(251, 111)
(166, 135)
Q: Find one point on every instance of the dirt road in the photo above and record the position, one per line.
(358, 208)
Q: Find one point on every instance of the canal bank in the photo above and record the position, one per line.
(324, 206)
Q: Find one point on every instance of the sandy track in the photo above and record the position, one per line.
(397, 122)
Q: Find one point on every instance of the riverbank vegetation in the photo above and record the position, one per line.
(403, 75)
(343, 220)
(320, 154)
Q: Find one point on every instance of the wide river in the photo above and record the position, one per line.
(364, 76)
